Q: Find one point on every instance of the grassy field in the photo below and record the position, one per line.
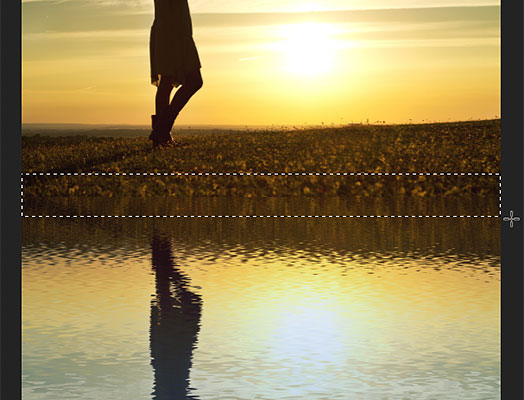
(441, 147)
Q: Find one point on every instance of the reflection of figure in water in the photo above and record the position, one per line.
(174, 61)
(175, 318)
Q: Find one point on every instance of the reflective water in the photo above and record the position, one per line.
(269, 308)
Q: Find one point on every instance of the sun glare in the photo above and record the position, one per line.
(309, 48)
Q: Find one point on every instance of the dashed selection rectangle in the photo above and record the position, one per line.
(264, 206)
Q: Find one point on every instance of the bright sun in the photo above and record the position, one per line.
(308, 47)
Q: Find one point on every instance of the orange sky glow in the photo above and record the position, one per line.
(281, 63)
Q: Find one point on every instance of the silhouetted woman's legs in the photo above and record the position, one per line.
(167, 112)
(187, 90)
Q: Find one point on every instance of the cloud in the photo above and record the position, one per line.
(135, 3)
(97, 34)
(225, 6)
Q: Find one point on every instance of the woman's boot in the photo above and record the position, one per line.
(164, 126)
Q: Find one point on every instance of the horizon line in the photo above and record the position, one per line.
(351, 9)
(188, 126)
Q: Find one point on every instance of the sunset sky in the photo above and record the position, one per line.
(268, 62)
